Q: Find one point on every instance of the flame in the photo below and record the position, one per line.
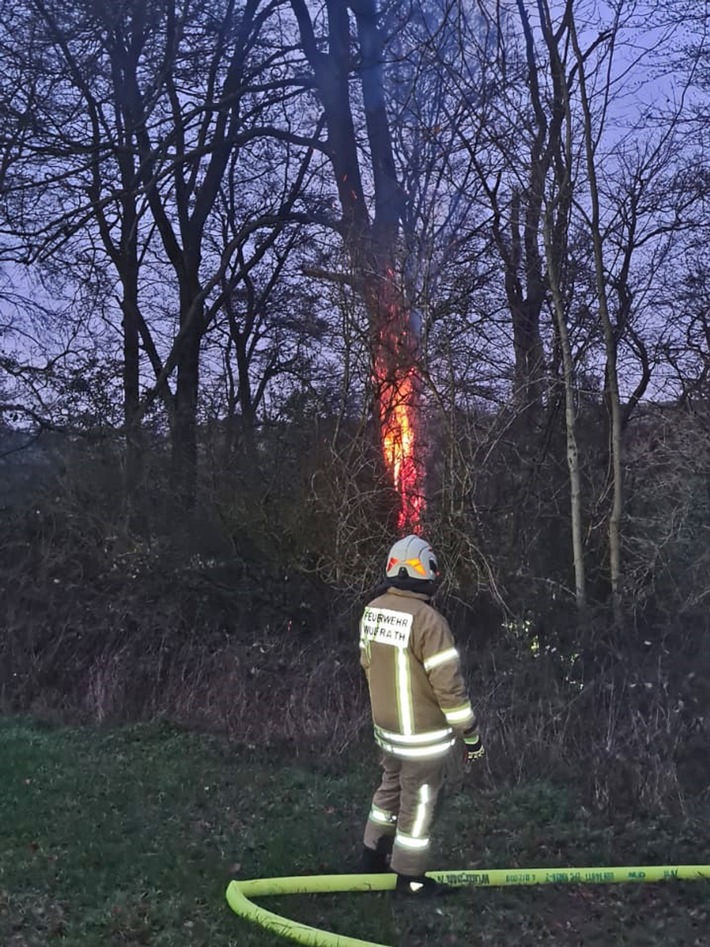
(399, 446)
(397, 387)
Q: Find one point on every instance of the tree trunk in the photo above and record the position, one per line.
(131, 390)
(570, 422)
(184, 434)
(610, 345)
(555, 233)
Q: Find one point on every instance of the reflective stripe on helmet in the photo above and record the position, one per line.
(443, 657)
(418, 566)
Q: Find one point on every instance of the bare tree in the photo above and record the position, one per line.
(147, 110)
(559, 160)
(371, 239)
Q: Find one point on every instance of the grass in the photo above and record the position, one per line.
(128, 836)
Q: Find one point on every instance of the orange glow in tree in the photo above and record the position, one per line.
(397, 394)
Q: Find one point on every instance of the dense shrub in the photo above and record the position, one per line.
(241, 615)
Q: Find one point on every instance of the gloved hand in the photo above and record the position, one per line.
(473, 747)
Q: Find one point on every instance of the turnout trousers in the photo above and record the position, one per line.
(403, 809)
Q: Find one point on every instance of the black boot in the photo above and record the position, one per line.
(374, 861)
(419, 886)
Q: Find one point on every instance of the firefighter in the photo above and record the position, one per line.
(420, 706)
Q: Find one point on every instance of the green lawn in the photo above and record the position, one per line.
(129, 836)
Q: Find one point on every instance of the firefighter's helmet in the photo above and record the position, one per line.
(412, 558)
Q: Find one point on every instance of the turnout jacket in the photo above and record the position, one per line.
(417, 692)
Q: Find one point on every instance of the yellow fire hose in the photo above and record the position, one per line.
(239, 893)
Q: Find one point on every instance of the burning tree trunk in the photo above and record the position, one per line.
(372, 242)
(397, 391)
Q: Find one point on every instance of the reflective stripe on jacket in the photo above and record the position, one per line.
(418, 695)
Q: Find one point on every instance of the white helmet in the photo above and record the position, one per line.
(412, 558)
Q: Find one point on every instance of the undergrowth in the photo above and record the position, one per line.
(104, 628)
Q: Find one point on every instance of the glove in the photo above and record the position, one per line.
(473, 747)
